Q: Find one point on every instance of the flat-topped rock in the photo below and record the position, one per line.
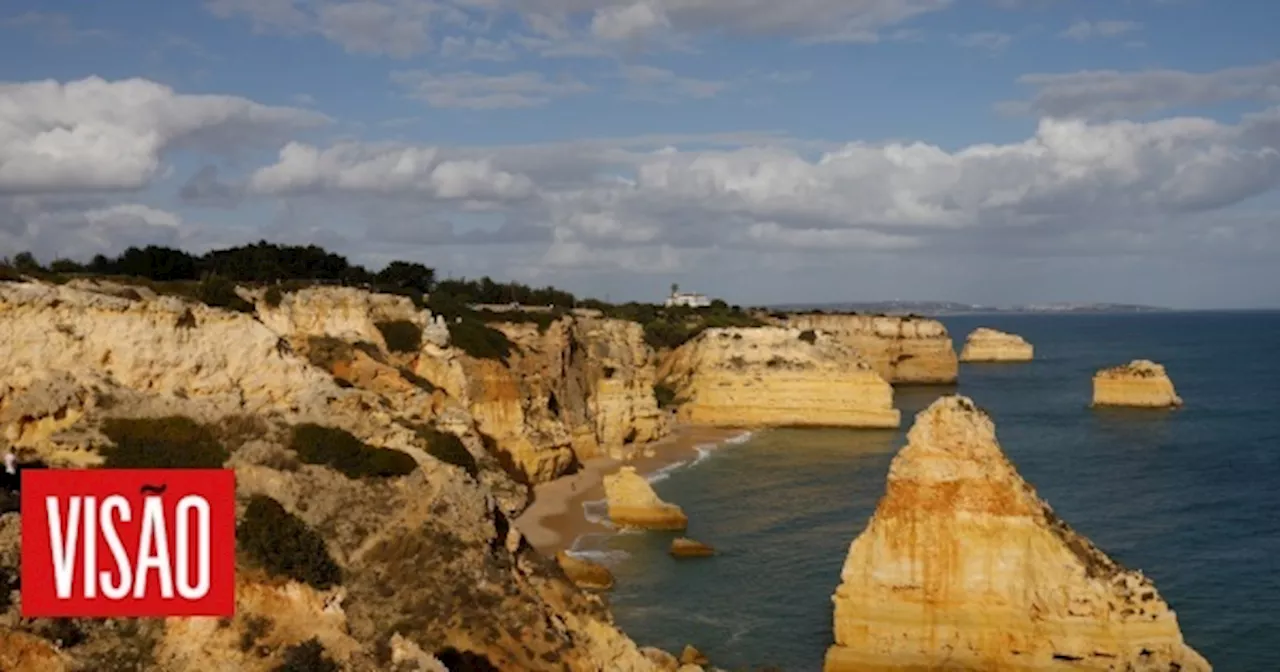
(901, 348)
(688, 548)
(964, 567)
(633, 503)
(1140, 383)
(991, 345)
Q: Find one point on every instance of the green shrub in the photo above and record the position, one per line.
(273, 297)
(283, 545)
(220, 292)
(8, 273)
(327, 351)
(7, 579)
(447, 447)
(479, 339)
(665, 395)
(401, 335)
(309, 656)
(809, 336)
(173, 442)
(338, 448)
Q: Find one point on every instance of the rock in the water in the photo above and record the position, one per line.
(633, 503)
(963, 566)
(692, 656)
(1139, 383)
(991, 345)
(584, 573)
(665, 662)
(688, 548)
(771, 376)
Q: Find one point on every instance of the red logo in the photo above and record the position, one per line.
(128, 542)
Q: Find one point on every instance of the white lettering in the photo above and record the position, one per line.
(62, 543)
(115, 591)
(153, 551)
(201, 507)
(90, 547)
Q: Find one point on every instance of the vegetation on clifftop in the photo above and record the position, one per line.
(283, 545)
(173, 442)
(338, 448)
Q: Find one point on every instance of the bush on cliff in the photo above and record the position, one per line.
(273, 297)
(665, 395)
(283, 545)
(809, 336)
(309, 656)
(480, 340)
(447, 447)
(338, 448)
(401, 335)
(219, 292)
(173, 442)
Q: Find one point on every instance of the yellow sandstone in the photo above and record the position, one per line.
(633, 503)
(1139, 383)
(901, 348)
(775, 376)
(964, 567)
(991, 345)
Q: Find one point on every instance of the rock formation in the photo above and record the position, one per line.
(991, 345)
(584, 573)
(430, 567)
(1139, 383)
(633, 503)
(962, 566)
(688, 548)
(774, 376)
(902, 349)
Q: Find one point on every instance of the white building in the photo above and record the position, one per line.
(688, 299)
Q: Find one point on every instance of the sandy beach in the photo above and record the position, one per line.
(556, 517)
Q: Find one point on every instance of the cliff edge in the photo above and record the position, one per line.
(902, 349)
(1141, 383)
(775, 376)
(992, 345)
(964, 567)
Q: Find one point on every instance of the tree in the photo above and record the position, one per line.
(675, 289)
(25, 261)
(408, 275)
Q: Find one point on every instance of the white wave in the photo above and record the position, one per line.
(665, 472)
(603, 557)
(597, 511)
(739, 439)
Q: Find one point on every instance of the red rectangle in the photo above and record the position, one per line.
(131, 517)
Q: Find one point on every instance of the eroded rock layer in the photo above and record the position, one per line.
(963, 567)
(991, 345)
(1140, 383)
(775, 376)
(633, 503)
(902, 349)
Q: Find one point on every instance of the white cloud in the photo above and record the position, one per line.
(647, 82)
(96, 134)
(629, 22)
(477, 49)
(989, 40)
(1112, 93)
(372, 28)
(482, 92)
(52, 228)
(1087, 30)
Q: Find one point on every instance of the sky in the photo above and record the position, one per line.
(984, 151)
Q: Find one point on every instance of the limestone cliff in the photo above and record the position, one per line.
(964, 567)
(774, 376)
(1140, 383)
(991, 345)
(430, 568)
(345, 313)
(902, 349)
(633, 503)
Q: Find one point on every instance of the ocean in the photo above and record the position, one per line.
(1189, 496)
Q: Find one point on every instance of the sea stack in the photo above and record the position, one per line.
(992, 345)
(1141, 383)
(964, 567)
(633, 503)
(584, 573)
(774, 376)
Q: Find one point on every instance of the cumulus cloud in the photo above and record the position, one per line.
(484, 92)
(96, 134)
(1112, 93)
(52, 227)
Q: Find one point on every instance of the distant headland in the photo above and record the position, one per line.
(956, 308)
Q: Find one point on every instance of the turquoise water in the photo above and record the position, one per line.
(1189, 496)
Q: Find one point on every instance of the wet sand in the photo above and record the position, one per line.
(556, 517)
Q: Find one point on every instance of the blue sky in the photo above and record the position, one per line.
(991, 151)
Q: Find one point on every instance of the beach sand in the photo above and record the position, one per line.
(556, 517)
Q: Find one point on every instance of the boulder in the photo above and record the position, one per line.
(584, 573)
(688, 548)
(633, 503)
(692, 656)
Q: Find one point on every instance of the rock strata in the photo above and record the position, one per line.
(963, 566)
(584, 573)
(902, 349)
(688, 548)
(775, 376)
(1140, 383)
(633, 503)
(991, 345)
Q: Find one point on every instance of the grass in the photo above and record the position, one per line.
(172, 442)
(284, 545)
(338, 448)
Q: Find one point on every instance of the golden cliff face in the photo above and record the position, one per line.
(964, 567)
(1140, 383)
(990, 345)
(773, 376)
(900, 349)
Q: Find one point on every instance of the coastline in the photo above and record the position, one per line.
(557, 519)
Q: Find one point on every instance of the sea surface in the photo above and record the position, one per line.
(1190, 496)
